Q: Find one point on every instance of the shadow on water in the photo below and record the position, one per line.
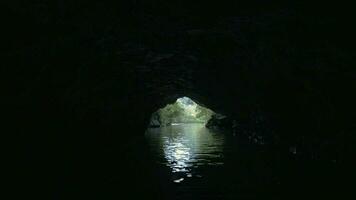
(189, 161)
(193, 162)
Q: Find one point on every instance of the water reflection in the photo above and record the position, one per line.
(185, 148)
(177, 155)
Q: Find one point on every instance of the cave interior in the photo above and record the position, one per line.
(86, 78)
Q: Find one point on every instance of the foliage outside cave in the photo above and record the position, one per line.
(184, 110)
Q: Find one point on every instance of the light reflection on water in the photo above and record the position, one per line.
(185, 148)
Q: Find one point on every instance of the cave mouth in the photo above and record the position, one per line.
(181, 144)
(183, 111)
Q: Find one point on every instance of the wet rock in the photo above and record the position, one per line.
(219, 121)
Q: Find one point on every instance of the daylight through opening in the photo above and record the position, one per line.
(183, 111)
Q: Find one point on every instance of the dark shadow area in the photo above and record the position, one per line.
(81, 80)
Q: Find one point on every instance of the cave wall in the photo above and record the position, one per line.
(81, 63)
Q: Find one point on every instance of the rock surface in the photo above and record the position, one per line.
(220, 122)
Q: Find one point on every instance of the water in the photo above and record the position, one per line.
(193, 162)
(186, 148)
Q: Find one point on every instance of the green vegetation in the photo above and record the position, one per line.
(184, 110)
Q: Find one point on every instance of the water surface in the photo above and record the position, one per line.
(185, 148)
(193, 162)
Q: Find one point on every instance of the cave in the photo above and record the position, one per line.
(179, 135)
(84, 81)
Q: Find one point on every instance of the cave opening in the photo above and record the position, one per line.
(182, 143)
(183, 111)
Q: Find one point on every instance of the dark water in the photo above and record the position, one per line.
(193, 162)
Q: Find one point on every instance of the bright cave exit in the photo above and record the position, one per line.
(183, 111)
(183, 147)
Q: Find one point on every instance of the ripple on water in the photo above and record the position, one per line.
(185, 148)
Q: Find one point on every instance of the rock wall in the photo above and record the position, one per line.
(86, 65)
